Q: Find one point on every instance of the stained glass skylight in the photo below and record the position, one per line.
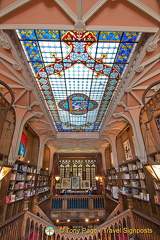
(78, 73)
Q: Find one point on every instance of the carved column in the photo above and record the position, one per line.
(102, 150)
(112, 139)
(26, 204)
(35, 203)
(139, 143)
(130, 202)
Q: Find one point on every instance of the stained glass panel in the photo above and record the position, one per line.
(78, 73)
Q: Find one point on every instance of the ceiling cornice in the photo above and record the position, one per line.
(78, 135)
(13, 7)
(128, 76)
(27, 73)
(145, 9)
(93, 10)
(67, 10)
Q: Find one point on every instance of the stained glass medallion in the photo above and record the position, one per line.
(78, 73)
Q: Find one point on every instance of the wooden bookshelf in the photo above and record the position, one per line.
(133, 179)
(111, 180)
(22, 181)
(42, 184)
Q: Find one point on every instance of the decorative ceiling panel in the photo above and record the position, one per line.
(78, 73)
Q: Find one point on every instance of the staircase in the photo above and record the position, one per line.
(127, 225)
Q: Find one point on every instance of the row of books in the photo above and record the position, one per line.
(21, 176)
(24, 168)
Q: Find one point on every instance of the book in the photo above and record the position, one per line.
(13, 198)
(8, 199)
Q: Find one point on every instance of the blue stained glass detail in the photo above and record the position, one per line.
(67, 62)
(79, 47)
(90, 63)
(49, 70)
(107, 70)
(111, 88)
(27, 34)
(45, 87)
(130, 36)
(58, 66)
(113, 82)
(43, 74)
(124, 52)
(78, 73)
(47, 34)
(99, 67)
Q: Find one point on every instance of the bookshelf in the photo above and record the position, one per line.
(42, 185)
(133, 179)
(22, 181)
(157, 191)
(111, 180)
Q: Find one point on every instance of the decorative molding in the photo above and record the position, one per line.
(127, 77)
(93, 10)
(36, 26)
(4, 43)
(117, 115)
(13, 7)
(145, 9)
(151, 63)
(152, 46)
(77, 135)
(27, 73)
(80, 26)
(67, 10)
(139, 69)
(128, 89)
(79, 9)
(17, 66)
(71, 27)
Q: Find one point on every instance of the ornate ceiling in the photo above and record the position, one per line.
(78, 73)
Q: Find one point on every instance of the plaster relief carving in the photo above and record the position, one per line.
(28, 88)
(152, 46)
(80, 26)
(4, 43)
(117, 115)
(17, 66)
(129, 89)
(38, 114)
(139, 69)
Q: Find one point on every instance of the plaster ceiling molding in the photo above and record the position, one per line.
(128, 90)
(78, 135)
(17, 66)
(80, 26)
(28, 88)
(93, 10)
(37, 114)
(121, 103)
(35, 103)
(149, 64)
(3, 41)
(125, 81)
(67, 10)
(117, 115)
(13, 7)
(145, 9)
(152, 47)
(9, 60)
(139, 69)
(27, 73)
